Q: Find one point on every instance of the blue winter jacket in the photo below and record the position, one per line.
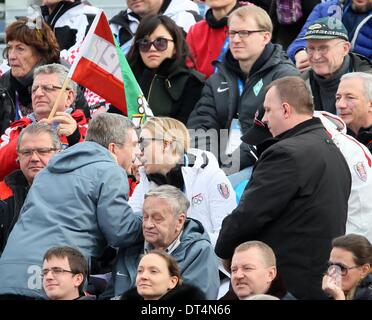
(78, 200)
(195, 256)
(362, 39)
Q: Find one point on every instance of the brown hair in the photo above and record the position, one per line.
(42, 40)
(173, 268)
(76, 260)
(358, 245)
(294, 91)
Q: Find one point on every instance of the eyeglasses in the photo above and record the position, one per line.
(160, 44)
(145, 142)
(48, 88)
(56, 271)
(241, 33)
(27, 153)
(323, 50)
(344, 269)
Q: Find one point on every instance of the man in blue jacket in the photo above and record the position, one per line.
(166, 227)
(78, 200)
(355, 15)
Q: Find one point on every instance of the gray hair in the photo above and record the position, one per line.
(367, 82)
(106, 128)
(174, 196)
(58, 69)
(39, 128)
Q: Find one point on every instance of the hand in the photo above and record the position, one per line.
(66, 123)
(329, 286)
(302, 61)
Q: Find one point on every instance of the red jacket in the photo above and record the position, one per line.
(8, 141)
(205, 44)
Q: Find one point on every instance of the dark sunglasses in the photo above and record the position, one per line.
(145, 142)
(160, 44)
(344, 269)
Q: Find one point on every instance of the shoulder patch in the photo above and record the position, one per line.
(224, 190)
(361, 171)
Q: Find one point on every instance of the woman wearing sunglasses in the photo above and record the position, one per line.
(158, 60)
(349, 269)
(167, 159)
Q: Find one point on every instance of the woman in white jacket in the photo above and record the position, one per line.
(167, 159)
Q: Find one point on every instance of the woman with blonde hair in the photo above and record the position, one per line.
(166, 158)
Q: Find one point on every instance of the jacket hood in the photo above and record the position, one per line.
(193, 231)
(330, 121)
(79, 155)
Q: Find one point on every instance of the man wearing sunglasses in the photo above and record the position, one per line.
(124, 25)
(69, 124)
(231, 96)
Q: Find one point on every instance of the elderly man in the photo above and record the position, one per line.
(70, 124)
(355, 15)
(354, 105)
(124, 25)
(78, 200)
(166, 227)
(329, 58)
(37, 143)
(295, 201)
(231, 96)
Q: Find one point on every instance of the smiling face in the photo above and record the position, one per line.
(327, 56)
(21, 58)
(154, 58)
(352, 105)
(31, 165)
(160, 226)
(61, 286)
(249, 273)
(153, 278)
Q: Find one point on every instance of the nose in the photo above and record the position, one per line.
(34, 157)
(238, 274)
(264, 119)
(235, 38)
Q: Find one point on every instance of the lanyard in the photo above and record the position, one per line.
(224, 49)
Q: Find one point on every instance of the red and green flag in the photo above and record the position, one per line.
(102, 67)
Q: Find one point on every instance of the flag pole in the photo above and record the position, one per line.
(56, 103)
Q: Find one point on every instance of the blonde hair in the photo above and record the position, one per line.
(171, 130)
(259, 15)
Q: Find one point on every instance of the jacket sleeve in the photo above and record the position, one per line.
(319, 11)
(120, 226)
(272, 186)
(8, 156)
(221, 202)
(202, 272)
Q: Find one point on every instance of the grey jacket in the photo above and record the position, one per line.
(79, 200)
(195, 256)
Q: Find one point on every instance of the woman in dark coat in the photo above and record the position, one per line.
(158, 60)
(349, 274)
(159, 278)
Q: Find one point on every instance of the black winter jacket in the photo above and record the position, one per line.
(296, 202)
(220, 102)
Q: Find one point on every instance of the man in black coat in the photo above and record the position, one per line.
(296, 200)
